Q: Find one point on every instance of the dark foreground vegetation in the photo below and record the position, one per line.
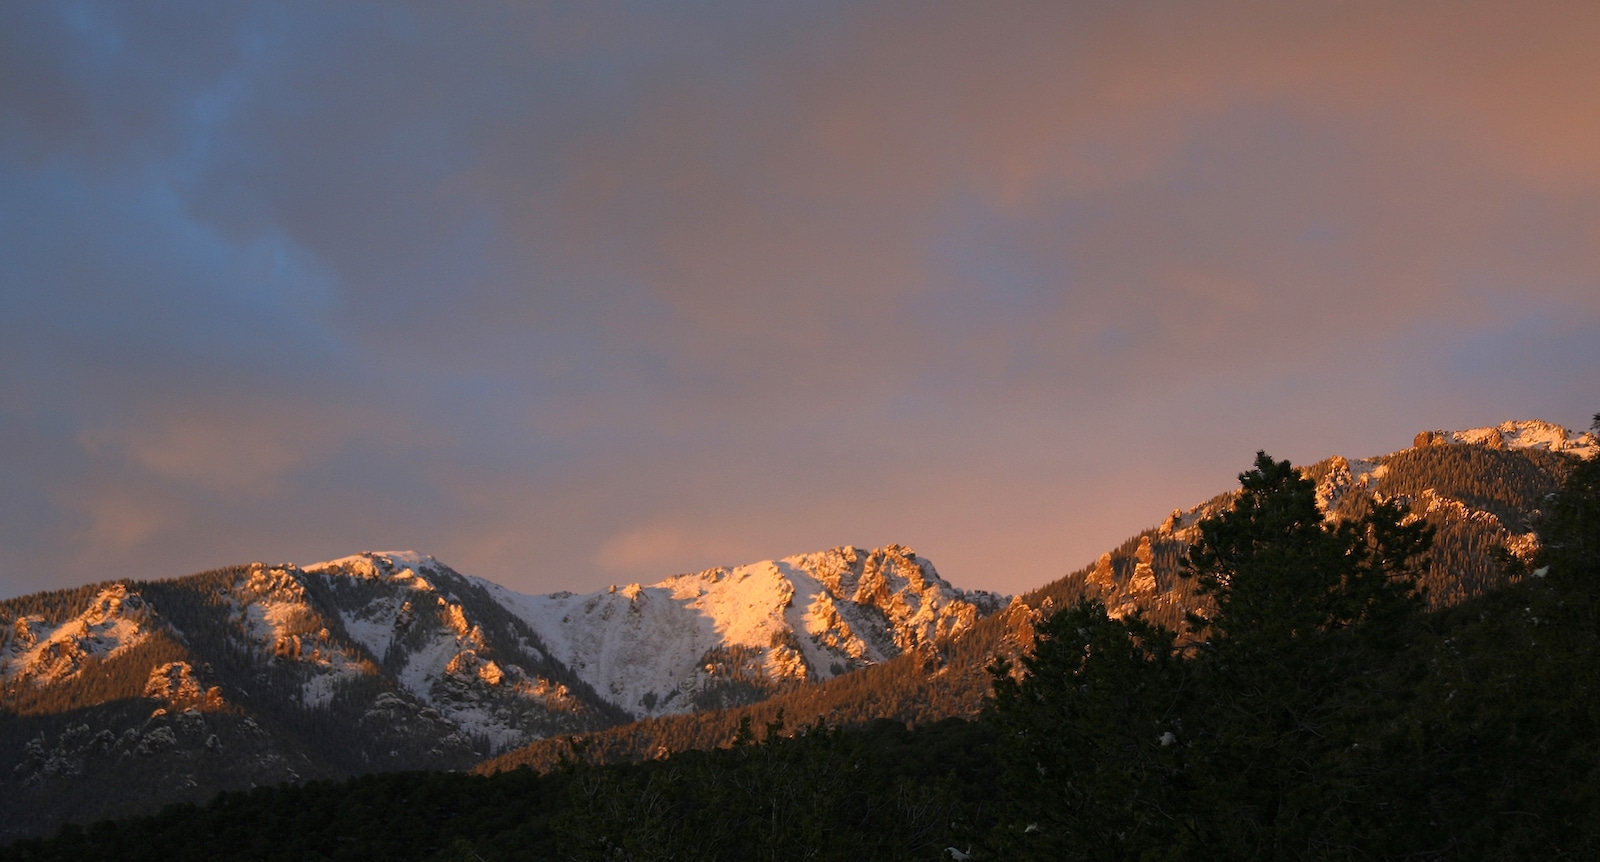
(882, 792)
(1317, 712)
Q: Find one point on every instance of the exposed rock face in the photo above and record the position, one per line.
(1102, 576)
(1144, 573)
(173, 682)
(1341, 476)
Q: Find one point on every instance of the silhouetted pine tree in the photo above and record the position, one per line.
(1118, 749)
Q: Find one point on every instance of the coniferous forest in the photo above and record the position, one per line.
(1315, 705)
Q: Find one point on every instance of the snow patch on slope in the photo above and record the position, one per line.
(373, 625)
(637, 647)
(376, 623)
(115, 621)
(273, 610)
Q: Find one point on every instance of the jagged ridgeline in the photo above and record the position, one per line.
(1483, 503)
(1482, 490)
(392, 661)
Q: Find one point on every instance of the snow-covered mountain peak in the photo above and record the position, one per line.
(726, 634)
(1519, 434)
(398, 566)
(431, 630)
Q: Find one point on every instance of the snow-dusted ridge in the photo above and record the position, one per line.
(1344, 473)
(505, 668)
(274, 611)
(1129, 582)
(1519, 434)
(115, 621)
(420, 620)
(375, 624)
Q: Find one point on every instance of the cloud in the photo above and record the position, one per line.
(230, 452)
(119, 520)
(647, 547)
(571, 294)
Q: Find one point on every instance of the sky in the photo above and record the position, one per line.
(570, 295)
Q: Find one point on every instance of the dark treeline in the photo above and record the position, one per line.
(883, 792)
(1320, 709)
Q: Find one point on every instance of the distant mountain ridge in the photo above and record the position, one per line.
(684, 643)
(120, 696)
(393, 660)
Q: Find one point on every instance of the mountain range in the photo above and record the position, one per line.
(122, 696)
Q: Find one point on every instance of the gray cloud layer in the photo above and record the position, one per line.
(598, 294)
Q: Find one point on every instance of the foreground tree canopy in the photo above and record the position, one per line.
(1315, 711)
